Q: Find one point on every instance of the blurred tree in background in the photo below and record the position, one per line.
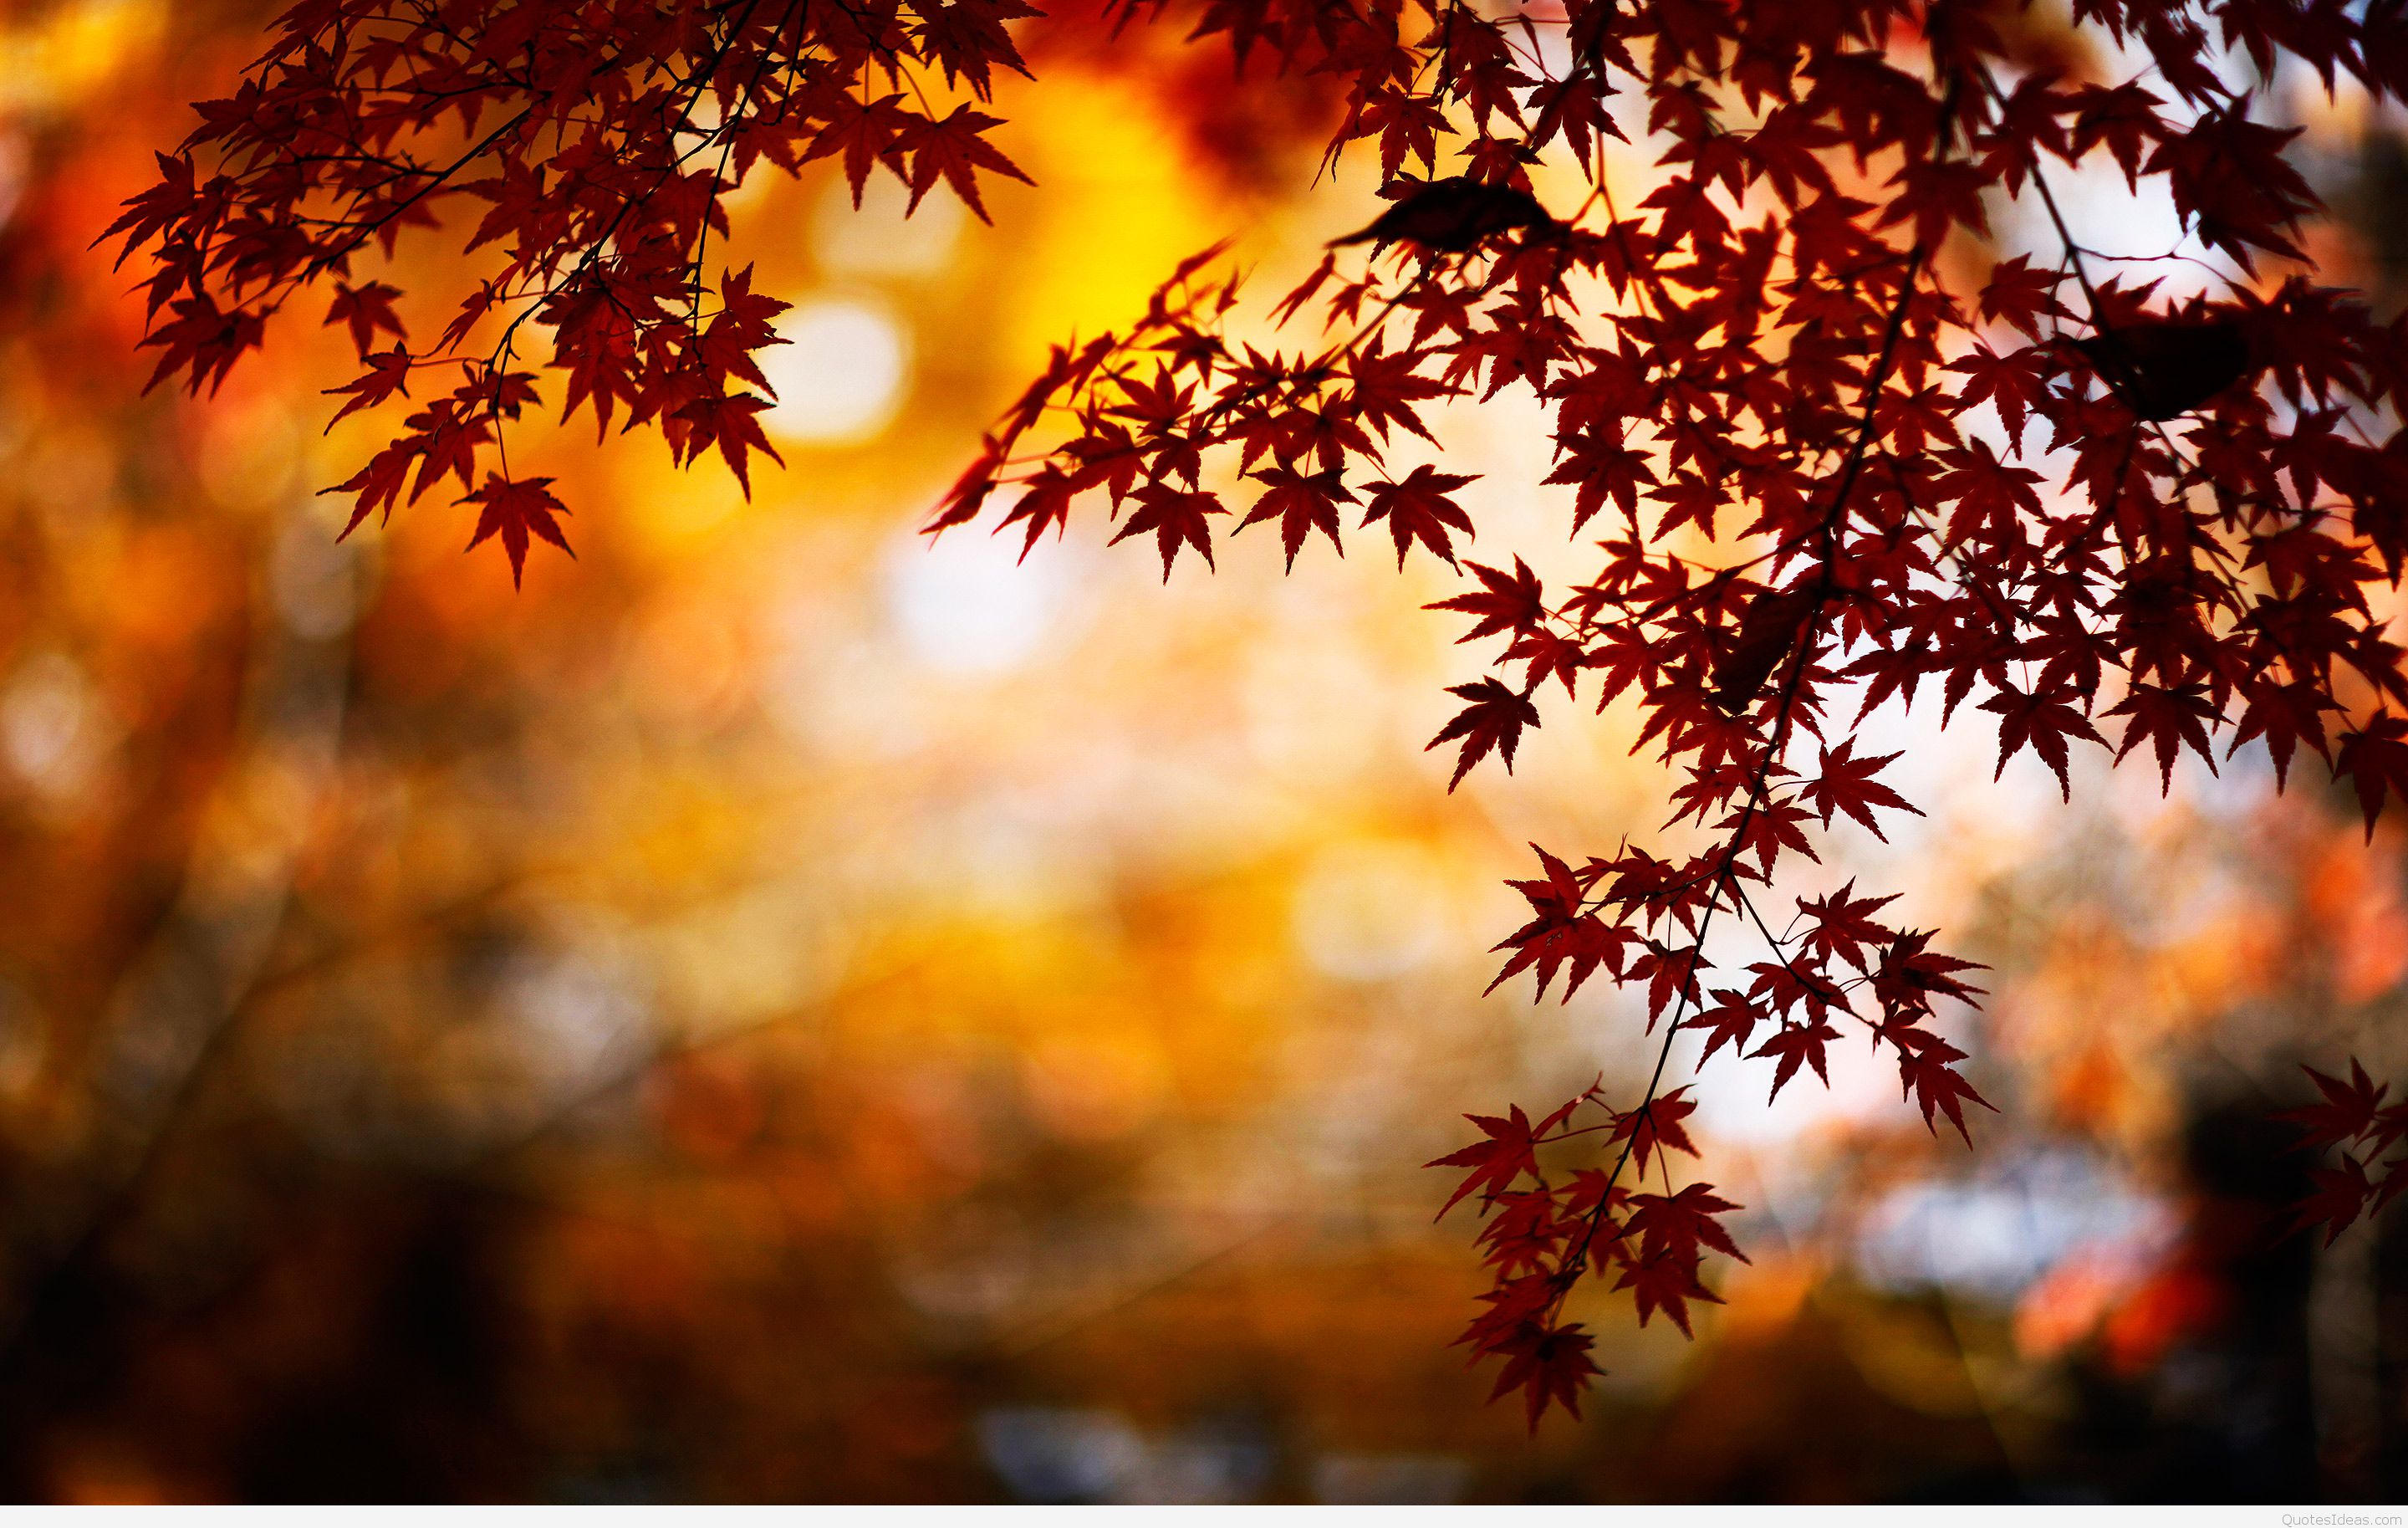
(775, 1009)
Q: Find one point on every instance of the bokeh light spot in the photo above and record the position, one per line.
(966, 603)
(842, 374)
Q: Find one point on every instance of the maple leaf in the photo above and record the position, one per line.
(1798, 1044)
(388, 374)
(862, 135)
(1418, 508)
(1548, 1364)
(1045, 506)
(1303, 503)
(1838, 928)
(2022, 295)
(2375, 758)
(1668, 1282)
(1730, 1021)
(1668, 972)
(2348, 1111)
(728, 420)
(1561, 932)
(364, 309)
(2169, 718)
(2342, 1194)
(377, 485)
(2041, 721)
(1494, 719)
(2232, 185)
(1935, 194)
(2123, 118)
(1386, 386)
(2012, 384)
(1656, 1125)
(1510, 1151)
(1844, 783)
(205, 342)
(1989, 495)
(516, 512)
(152, 212)
(968, 493)
(1513, 1303)
(1506, 603)
(1604, 469)
(741, 326)
(1910, 972)
(955, 149)
(1682, 1222)
(1177, 519)
(1523, 1232)
(1928, 1072)
(1549, 655)
(1671, 1231)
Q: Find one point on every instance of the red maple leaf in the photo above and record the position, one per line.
(1524, 1232)
(2019, 294)
(955, 149)
(2375, 759)
(1548, 1364)
(1418, 509)
(1797, 1045)
(1656, 1125)
(729, 421)
(1730, 1021)
(2170, 718)
(364, 309)
(1664, 1281)
(2341, 1194)
(1510, 1151)
(1303, 503)
(516, 512)
(1494, 719)
(1928, 1072)
(1910, 972)
(2042, 722)
(1505, 602)
(1837, 927)
(1844, 783)
(2348, 1110)
(388, 374)
(1672, 1231)
(1176, 518)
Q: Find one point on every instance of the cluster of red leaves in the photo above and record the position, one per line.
(1539, 1238)
(588, 148)
(1793, 392)
(2353, 1117)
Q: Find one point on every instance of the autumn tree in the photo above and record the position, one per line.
(1838, 440)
